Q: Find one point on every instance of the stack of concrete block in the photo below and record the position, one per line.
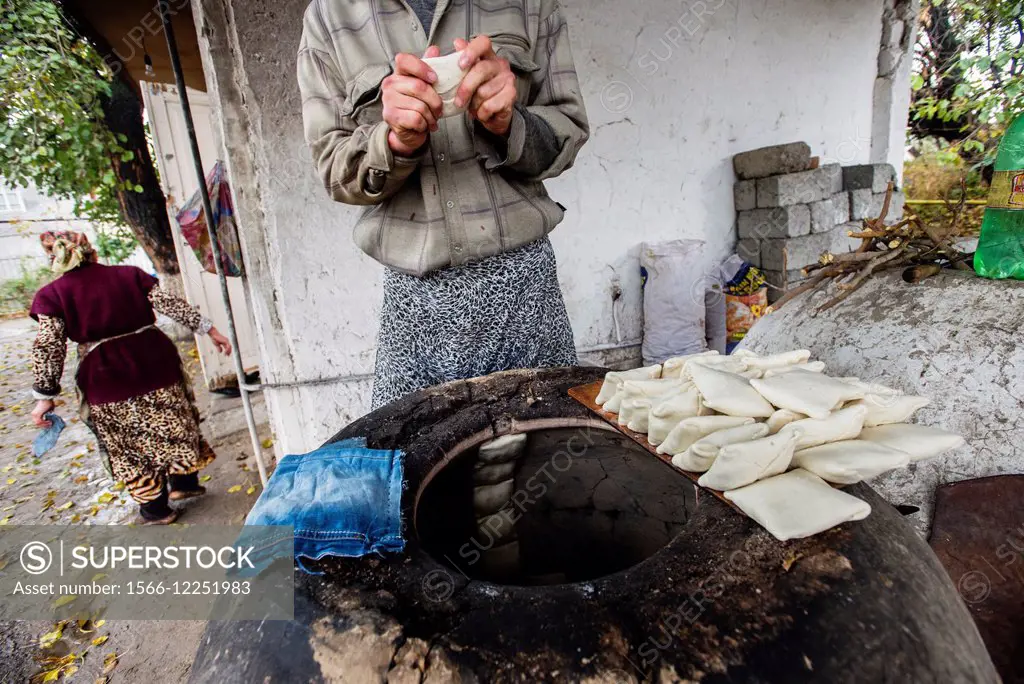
(790, 212)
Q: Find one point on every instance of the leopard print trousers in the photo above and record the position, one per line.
(501, 313)
(151, 436)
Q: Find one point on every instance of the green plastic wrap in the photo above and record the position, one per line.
(1001, 249)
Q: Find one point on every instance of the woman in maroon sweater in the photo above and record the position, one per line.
(131, 387)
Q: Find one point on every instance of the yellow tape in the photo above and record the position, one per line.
(1007, 190)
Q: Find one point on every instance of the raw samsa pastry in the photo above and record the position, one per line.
(738, 465)
(843, 424)
(692, 429)
(850, 461)
(781, 419)
(812, 366)
(805, 392)
(670, 412)
(797, 504)
(919, 441)
(885, 409)
(613, 381)
(699, 457)
(774, 361)
(729, 393)
(672, 368)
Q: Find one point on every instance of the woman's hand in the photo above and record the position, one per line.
(222, 343)
(43, 406)
(489, 89)
(411, 106)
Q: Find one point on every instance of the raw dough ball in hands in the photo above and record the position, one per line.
(449, 78)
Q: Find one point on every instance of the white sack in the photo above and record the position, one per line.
(673, 299)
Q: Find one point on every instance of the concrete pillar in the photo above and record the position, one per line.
(305, 280)
(892, 86)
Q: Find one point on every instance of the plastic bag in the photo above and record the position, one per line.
(192, 221)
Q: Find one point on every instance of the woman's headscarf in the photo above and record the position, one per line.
(67, 250)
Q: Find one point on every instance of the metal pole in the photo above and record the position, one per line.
(179, 77)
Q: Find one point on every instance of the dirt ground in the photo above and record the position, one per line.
(69, 486)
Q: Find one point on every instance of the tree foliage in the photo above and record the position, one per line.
(52, 131)
(969, 71)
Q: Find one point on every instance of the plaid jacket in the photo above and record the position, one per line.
(463, 199)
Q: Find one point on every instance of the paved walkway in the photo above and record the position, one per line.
(69, 486)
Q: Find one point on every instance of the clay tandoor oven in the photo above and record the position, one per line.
(621, 571)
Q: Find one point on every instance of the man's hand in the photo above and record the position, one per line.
(43, 406)
(411, 107)
(490, 86)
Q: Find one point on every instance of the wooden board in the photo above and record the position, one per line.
(587, 394)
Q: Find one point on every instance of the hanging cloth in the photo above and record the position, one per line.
(193, 225)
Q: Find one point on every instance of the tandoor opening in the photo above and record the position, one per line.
(568, 505)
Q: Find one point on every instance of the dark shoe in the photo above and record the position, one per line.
(181, 495)
(167, 520)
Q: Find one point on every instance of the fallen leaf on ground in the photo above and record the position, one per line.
(100, 640)
(109, 663)
(236, 488)
(105, 497)
(267, 443)
(52, 637)
(250, 490)
(788, 563)
(205, 478)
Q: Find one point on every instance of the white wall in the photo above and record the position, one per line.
(674, 90)
(672, 95)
